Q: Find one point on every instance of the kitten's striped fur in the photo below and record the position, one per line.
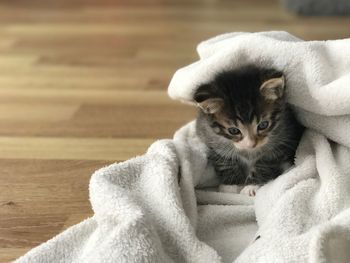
(243, 99)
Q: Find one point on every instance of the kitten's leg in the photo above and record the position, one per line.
(229, 188)
(250, 189)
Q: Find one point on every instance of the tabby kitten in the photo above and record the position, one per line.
(249, 129)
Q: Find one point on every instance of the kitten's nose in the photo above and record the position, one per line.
(251, 143)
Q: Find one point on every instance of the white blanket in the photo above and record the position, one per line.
(147, 209)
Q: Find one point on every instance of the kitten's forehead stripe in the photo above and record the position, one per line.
(237, 118)
(252, 112)
(252, 116)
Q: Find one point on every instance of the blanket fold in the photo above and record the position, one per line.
(163, 206)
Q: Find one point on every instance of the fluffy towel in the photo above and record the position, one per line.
(147, 208)
(142, 213)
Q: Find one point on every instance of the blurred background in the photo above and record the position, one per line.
(83, 84)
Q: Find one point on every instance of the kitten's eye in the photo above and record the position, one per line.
(234, 131)
(263, 125)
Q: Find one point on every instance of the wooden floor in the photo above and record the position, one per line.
(83, 84)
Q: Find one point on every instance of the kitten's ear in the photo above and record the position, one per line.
(273, 89)
(208, 100)
(211, 106)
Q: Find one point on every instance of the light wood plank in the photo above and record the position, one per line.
(9, 254)
(37, 111)
(71, 148)
(79, 96)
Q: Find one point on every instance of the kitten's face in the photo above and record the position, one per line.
(243, 107)
(245, 135)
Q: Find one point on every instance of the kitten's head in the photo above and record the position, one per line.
(244, 106)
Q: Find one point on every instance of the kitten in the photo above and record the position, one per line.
(249, 129)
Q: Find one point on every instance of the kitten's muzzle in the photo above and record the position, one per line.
(246, 144)
(250, 144)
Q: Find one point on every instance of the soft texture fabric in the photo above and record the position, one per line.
(147, 209)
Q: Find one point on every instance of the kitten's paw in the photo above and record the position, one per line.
(229, 188)
(250, 189)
